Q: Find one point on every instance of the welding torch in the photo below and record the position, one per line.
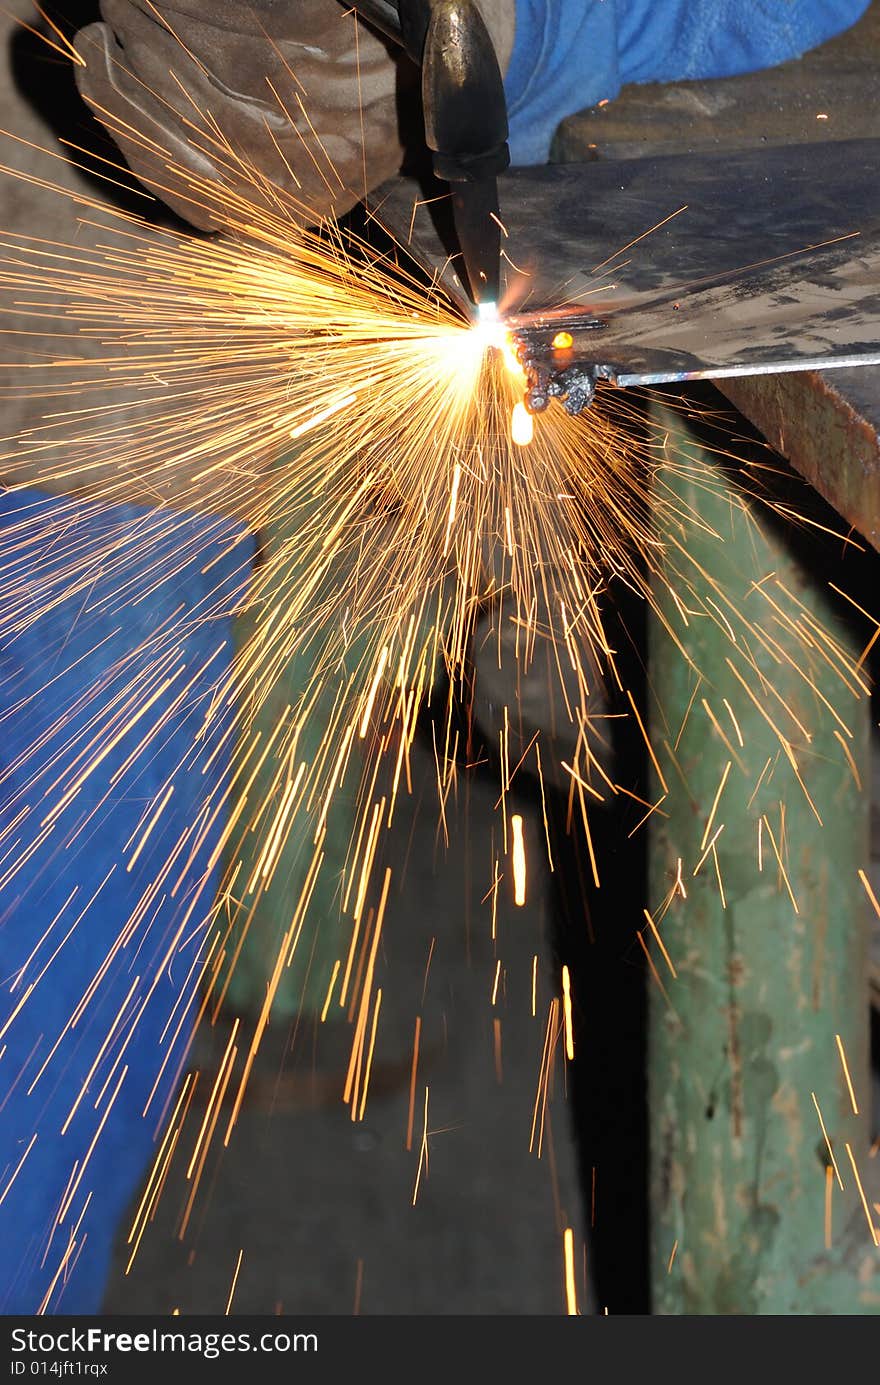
(465, 116)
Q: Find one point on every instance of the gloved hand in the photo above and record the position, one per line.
(196, 94)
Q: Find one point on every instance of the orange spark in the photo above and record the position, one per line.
(423, 1152)
(566, 1009)
(496, 980)
(369, 1066)
(871, 1227)
(845, 1066)
(228, 1308)
(570, 1282)
(412, 1083)
(518, 851)
(333, 977)
(827, 1141)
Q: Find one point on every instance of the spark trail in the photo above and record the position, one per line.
(321, 393)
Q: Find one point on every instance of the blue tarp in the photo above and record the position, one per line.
(570, 54)
(99, 611)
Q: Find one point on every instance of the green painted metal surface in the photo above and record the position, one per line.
(747, 1031)
(263, 915)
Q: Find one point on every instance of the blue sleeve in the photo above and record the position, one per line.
(570, 54)
(564, 58)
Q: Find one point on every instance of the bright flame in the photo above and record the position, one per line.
(562, 341)
(489, 331)
(510, 360)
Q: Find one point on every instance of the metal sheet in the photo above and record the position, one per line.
(760, 261)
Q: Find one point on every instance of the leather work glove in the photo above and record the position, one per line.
(296, 92)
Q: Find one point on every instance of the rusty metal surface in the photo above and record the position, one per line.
(826, 425)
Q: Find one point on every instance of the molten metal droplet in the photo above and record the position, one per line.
(522, 425)
(563, 341)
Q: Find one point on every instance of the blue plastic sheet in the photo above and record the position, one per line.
(115, 631)
(570, 54)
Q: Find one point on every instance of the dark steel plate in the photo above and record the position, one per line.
(773, 265)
